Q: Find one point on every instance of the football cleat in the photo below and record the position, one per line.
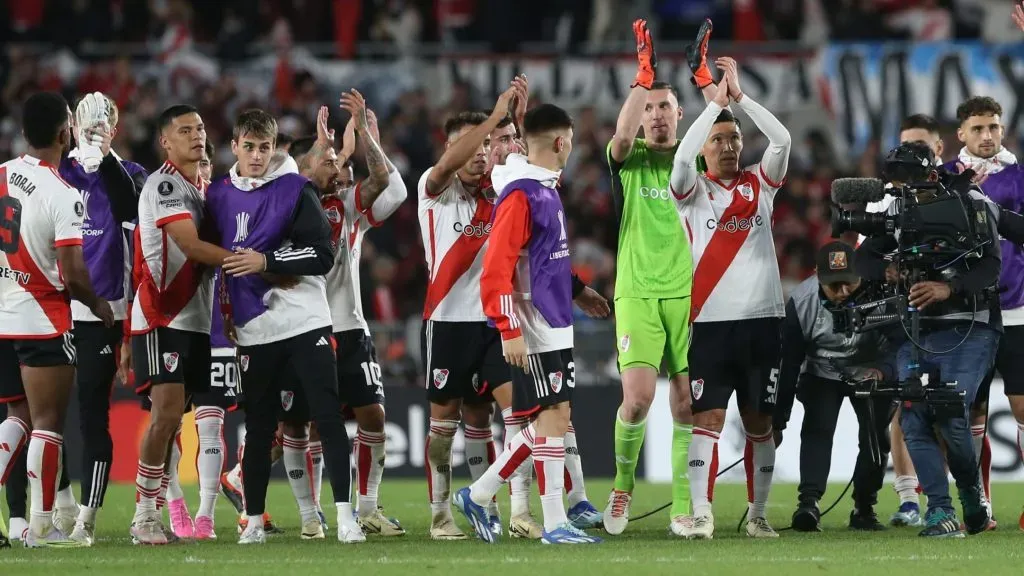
(233, 492)
(204, 529)
(525, 526)
(84, 533)
(584, 516)
(681, 525)
(759, 528)
(568, 534)
(268, 524)
(349, 531)
(312, 530)
(323, 519)
(616, 514)
(181, 519)
(377, 523)
(703, 528)
(476, 515)
(253, 534)
(443, 527)
(909, 514)
(64, 518)
(53, 538)
(149, 530)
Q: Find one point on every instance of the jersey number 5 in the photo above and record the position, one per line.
(10, 224)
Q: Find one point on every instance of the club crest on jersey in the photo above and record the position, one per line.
(440, 377)
(333, 216)
(697, 387)
(243, 361)
(555, 379)
(171, 361)
(287, 399)
(837, 261)
(746, 191)
(624, 342)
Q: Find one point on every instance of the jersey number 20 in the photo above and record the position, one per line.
(10, 224)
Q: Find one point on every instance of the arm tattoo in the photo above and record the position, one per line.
(377, 164)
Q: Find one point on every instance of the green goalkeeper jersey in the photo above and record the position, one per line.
(654, 258)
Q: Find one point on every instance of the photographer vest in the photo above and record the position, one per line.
(825, 349)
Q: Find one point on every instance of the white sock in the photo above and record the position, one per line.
(369, 469)
(344, 513)
(87, 515)
(173, 489)
(439, 464)
(45, 450)
(702, 448)
(147, 487)
(480, 455)
(549, 460)
(520, 448)
(978, 438)
(520, 481)
(295, 465)
(906, 487)
(66, 498)
(1020, 439)
(13, 437)
(760, 467)
(316, 469)
(576, 490)
(210, 427)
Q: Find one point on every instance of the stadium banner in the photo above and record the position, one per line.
(871, 87)
(1006, 461)
(408, 418)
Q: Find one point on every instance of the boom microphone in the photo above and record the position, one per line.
(857, 190)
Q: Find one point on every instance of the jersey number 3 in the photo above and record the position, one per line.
(10, 224)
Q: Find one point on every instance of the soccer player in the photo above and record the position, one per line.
(464, 365)
(170, 315)
(737, 305)
(352, 209)
(652, 285)
(41, 265)
(1001, 179)
(271, 217)
(110, 193)
(527, 288)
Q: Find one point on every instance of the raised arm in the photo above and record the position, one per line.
(631, 114)
(460, 151)
(697, 58)
(684, 166)
(775, 161)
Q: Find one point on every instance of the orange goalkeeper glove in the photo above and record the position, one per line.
(647, 60)
(697, 56)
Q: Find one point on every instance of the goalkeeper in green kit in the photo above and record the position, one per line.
(653, 273)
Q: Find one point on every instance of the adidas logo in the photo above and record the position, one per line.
(323, 342)
(106, 350)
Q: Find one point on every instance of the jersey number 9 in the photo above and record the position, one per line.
(10, 224)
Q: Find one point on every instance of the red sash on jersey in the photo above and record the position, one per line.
(724, 246)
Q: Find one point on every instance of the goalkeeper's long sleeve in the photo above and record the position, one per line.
(684, 164)
(120, 187)
(775, 161)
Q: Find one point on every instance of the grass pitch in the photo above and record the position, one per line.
(645, 548)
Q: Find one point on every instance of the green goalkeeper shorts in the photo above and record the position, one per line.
(648, 330)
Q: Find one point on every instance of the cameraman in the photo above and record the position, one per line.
(960, 319)
(829, 361)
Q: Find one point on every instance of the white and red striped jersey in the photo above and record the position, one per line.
(455, 224)
(39, 212)
(736, 272)
(349, 222)
(172, 291)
